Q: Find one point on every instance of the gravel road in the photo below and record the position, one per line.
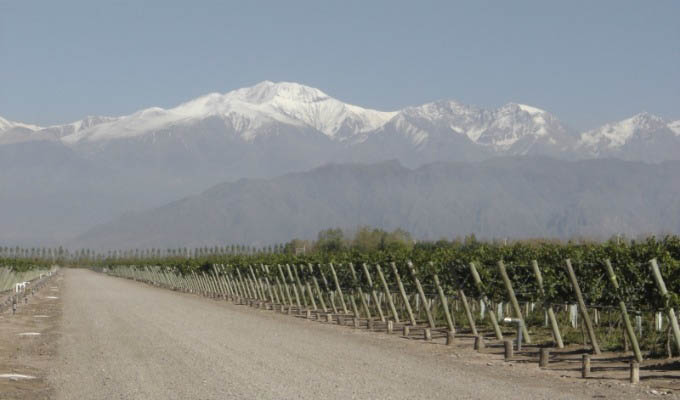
(125, 340)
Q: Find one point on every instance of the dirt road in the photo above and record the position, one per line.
(125, 340)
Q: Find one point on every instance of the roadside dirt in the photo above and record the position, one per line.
(22, 353)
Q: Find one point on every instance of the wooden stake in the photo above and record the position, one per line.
(388, 295)
(357, 288)
(318, 289)
(485, 300)
(468, 313)
(338, 288)
(551, 314)
(295, 288)
(419, 287)
(404, 297)
(664, 295)
(582, 307)
(624, 311)
(374, 295)
(445, 305)
(513, 300)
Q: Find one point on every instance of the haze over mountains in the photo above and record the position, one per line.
(502, 197)
(62, 180)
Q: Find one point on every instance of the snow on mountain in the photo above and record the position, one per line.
(497, 130)
(310, 106)
(675, 127)
(6, 125)
(247, 111)
(61, 131)
(271, 112)
(16, 132)
(615, 135)
(513, 124)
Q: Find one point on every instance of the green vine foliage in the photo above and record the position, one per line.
(451, 263)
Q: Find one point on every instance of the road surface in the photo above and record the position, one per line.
(126, 340)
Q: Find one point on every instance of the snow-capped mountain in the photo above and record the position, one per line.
(644, 137)
(15, 132)
(260, 110)
(247, 113)
(96, 168)
(675, 127)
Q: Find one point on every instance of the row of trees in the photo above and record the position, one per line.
(328, 241)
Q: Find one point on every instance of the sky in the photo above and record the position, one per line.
(587, 62)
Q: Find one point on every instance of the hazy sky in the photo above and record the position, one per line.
(587, 62)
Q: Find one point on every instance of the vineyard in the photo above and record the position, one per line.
(601, 295)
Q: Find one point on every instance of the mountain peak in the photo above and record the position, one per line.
(268, 91)
(616, 134)
(6, 125)
(675, 127)
(523, 107)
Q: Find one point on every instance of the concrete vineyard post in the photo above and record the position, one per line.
(544, 357)
(508, 349)
(634, 372)
(585, 366)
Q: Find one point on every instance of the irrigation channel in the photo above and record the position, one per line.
(419, 306)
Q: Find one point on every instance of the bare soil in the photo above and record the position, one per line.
(30, 355)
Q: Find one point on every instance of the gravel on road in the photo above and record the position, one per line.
(122, 339)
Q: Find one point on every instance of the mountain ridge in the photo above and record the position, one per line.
(517, 197)
(253, 110)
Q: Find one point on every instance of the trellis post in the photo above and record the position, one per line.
(513, 300)
(582, 307)
(357, 287)
(551, 314)
(338, 288)
(421, 293)
(484, 300)
(386, 288)
(404, 297)
(624, 311)
(445, 305)
(374, 295)
(664, 294)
